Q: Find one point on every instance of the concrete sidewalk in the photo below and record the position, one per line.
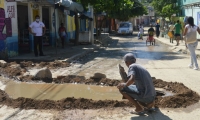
(180, 49)
(68, 54)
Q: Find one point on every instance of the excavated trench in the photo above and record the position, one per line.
(76, 92)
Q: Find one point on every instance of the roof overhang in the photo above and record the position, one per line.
(70, 5)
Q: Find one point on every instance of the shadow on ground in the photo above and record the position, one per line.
(158, 115)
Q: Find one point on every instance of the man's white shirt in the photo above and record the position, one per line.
(37, 27)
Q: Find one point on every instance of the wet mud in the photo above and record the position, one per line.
(183, 96)
(31, 64)
(15, 69)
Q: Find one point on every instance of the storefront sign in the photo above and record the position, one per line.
(11, 11)
(1, 3)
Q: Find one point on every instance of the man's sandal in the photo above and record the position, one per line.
(138, 113)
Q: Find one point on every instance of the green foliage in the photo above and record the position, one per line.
(165, 8)
(119, 9)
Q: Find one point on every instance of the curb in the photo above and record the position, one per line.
(95, 47)
(174, 47)
(179, 50)
(81, 54)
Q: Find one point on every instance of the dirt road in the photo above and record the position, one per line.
(160, 61)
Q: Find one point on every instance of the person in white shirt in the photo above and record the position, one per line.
(37, 28)
(171, 29)
(190, 32)
(141, 32)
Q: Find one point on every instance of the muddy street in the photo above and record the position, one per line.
(99, 99)
(105, 61)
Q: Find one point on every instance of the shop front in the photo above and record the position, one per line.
(26, 12)
(17, 15)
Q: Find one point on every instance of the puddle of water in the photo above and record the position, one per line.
(59, 91)
(166, 93)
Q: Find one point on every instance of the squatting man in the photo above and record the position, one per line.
(138, 87)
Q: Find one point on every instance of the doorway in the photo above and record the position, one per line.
(46, 21)
(23, 33)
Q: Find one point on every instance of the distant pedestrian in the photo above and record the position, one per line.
(62, 33)
(157, 30)
(37, 28)
(151, 31)
(178, 29)
(190, 33)
(140, 25)
(171, 32)
(141, 32)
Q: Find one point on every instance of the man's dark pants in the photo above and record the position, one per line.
(38, 41)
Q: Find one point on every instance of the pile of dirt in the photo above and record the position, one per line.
(55, 64)
(183, 96)
(31, 64)
(73, 79)
(11, 71)
(82, 80)
(14, 69)
(67, 103)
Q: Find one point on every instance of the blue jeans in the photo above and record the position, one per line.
(192, 47)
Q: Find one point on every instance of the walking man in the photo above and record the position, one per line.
(157, 30)
(177, 28)
(37, 29)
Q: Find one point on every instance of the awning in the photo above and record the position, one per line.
(69, 5)
(86, 15)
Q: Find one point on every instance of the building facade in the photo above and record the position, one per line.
(192, 8)
(17, 15)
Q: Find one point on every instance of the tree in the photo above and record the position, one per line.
(166, 8)
(118, 9)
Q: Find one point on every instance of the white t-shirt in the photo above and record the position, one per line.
(171, 28)
(37, 27)
(141, 30)
(192, 29)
